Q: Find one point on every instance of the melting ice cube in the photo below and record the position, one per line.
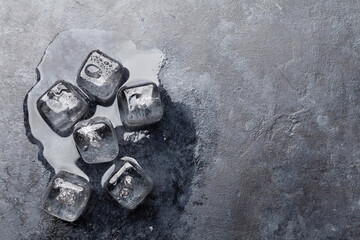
(62, 106)
(96, 140)
(140, 105)
(66, 196)
(127, 183)
(100, 77)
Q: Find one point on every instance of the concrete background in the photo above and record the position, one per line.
(273, 89)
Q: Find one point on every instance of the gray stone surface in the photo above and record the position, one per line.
(273, 91)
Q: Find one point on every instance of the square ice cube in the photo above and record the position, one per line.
(96, 140)
(128, 183)
(100, 77)
(62, 106)
(140, 105)
(66, 196)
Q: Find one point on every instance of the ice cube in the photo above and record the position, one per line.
(100, 77)
(140, 105)
(62, 106)
(127, 183)
(96, 140)
(66, 196)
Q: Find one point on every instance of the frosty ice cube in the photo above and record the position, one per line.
(66, 196)
(96, 140)
(100, 77)
(62, 106)
(127, 183)
(140, 105)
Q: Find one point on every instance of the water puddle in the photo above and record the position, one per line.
(62, 61)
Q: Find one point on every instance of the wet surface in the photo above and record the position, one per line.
(166, 156)
(65, 58)
(271, 87)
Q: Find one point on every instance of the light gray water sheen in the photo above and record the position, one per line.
(61, 61)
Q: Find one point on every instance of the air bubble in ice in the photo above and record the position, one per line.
(93, 71)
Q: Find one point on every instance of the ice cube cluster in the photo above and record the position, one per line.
(66, 109)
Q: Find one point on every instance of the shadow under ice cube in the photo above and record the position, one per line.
(128, 184)
(62, 106)
(66, 196)
(140, 105)
(96, 140)
(100, 77)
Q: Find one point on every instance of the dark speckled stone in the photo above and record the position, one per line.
(265, 94)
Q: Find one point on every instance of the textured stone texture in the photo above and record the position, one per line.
(272, 89)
